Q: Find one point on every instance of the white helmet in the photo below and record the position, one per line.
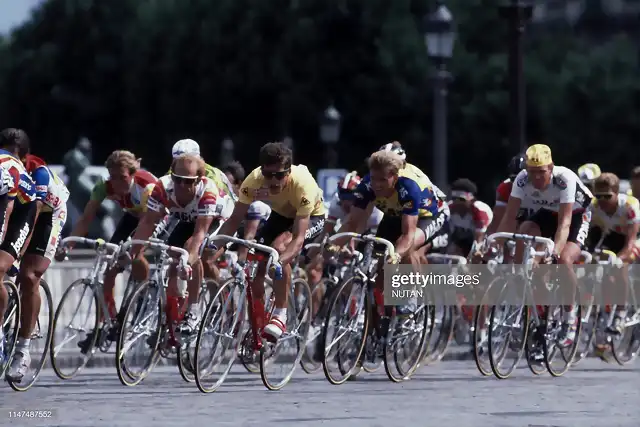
(589, 172)
(185, 146)
(395, 149)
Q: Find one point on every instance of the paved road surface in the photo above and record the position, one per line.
(446, 394)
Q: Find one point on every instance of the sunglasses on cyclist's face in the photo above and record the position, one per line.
(603, 196)
(279, 175)
(184, 180)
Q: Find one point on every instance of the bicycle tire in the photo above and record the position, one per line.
(84, 359)
(389, 365)
(307, 363)
(303, 323)
(35, 373)
(186, 354)
(496, 362)
(335, 300)
(125, 376)
(625, 349)
(588, 338)
(237, 323)
(550, 353)
(11, 325)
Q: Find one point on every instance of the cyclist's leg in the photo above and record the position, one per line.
(209, 266)
(578, 232)
(4, 296)
(179, 236)
(19, 228)
(126, 226)
(277, 323)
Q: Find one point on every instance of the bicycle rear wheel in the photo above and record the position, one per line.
(275, 367)
(625, 347)
(10, 325)
(187, 351)
(345, 330)
(65, 330)
(553, 351)
(404, 344)
(508, 328)
(40, 339)
(141, 329)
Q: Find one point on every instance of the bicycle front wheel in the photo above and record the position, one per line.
(40, 339)
(75, 316)
(10, 325)
(140, 333)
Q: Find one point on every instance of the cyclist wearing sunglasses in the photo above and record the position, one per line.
(615, 223)
(469, 217)
(195, 200)
(563, 215)
(297, 218)
(128, 186)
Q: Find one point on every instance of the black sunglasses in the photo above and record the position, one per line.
(277, 175)
(604, 196)
(182, 180)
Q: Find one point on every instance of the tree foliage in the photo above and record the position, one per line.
(142, 73)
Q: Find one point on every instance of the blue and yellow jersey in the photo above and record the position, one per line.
(21, 186)
(414, 195)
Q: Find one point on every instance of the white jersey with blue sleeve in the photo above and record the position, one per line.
(50, 189)
(259, 210)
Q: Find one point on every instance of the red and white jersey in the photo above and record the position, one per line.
(15, 181)
(503, 192)
(206, 201)
(475, 221)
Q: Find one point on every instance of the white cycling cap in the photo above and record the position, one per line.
(185, 146)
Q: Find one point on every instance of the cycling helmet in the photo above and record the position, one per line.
(516, 164)
(185, 146)
(396, 148)
(348, 184)
(589, 172)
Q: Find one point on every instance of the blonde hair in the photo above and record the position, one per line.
(123, 159)
(386, 160)
(608, 182)
(185, 160)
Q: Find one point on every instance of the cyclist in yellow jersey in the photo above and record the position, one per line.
(297, 218)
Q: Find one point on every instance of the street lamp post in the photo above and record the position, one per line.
(517, 13)
(439, 37)
(330, 128)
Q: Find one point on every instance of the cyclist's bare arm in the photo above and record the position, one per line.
(250, 231)
(508, 221)
(232, 224)
(356, 220)
(82, 226)
(299, 229)
(404, 244)
(145, 229)
(199, 234)
(564, 225)
(626, 254)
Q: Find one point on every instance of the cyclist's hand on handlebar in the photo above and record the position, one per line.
(394, 259)
(61, 253)
(185, 272)
(276, 269)
(331, 249)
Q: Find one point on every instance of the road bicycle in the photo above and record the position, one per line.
(83, 310)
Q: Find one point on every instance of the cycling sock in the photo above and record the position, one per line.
(280, 313)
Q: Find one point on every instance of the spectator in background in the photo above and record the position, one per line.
(635, 181)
